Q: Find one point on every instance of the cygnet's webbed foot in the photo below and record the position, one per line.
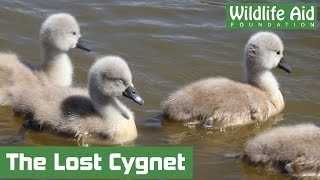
(207, 122)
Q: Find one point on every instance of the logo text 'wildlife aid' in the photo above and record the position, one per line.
(271, 16)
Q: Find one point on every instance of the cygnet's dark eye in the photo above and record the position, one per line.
(74, 33)
(278, 52)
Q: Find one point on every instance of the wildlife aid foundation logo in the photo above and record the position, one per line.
(271, 16)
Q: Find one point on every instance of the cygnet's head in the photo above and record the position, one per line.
(111, 76)
(264, 51)
(62, 32)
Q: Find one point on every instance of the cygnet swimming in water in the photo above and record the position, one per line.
(293, 150)
(58, 34)
(221, 102)
(75, 112)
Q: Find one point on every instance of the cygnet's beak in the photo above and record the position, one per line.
(133, 94)
(82, 45)
(284, 65)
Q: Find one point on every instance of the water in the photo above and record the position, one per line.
(168, 44)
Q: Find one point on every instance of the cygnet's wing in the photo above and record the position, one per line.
(52, 106)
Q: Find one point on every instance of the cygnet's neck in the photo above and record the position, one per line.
(57, 66)
(120, 125)
(109, 107)
(265, 81)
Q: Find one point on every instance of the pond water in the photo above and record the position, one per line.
(168, 44)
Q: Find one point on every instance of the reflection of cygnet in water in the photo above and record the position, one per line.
(288, 149)
(58, 34)
(221, 102)
(75, 112)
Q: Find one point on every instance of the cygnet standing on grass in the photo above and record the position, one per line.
(221, 102)
(58, 34)
(76, 113)
(288, 149)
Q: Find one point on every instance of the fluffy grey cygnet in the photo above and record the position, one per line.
(75, 112)
(288, 149)
(221, 102)
(58, 34)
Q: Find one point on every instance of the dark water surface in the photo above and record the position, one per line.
(169, 43)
